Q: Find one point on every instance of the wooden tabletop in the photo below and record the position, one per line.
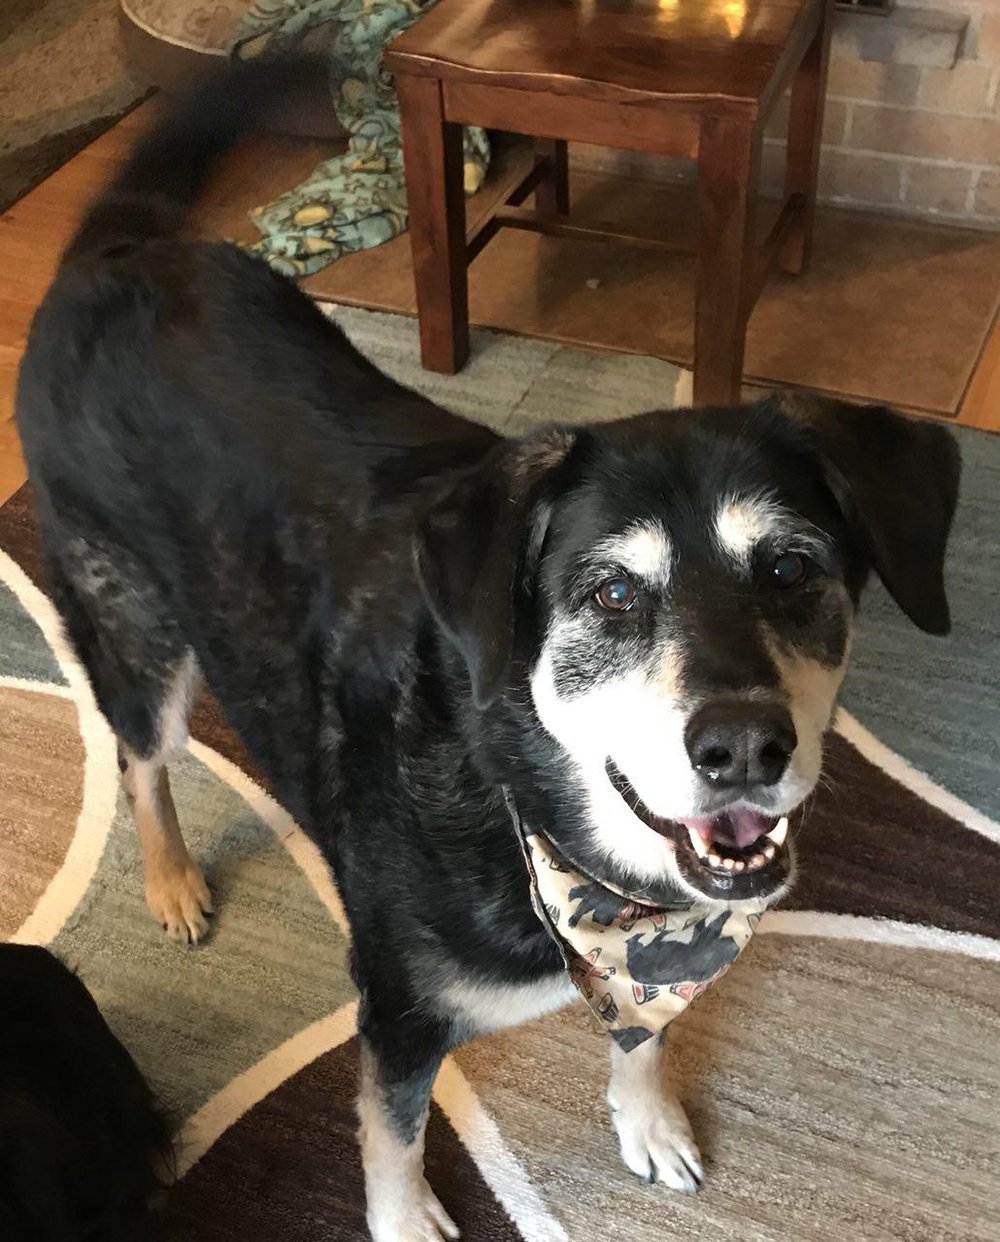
(617, 50)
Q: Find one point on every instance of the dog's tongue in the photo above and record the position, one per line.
(739, 827)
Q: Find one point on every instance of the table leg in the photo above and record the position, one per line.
(805, 136)
(728, 164)
(432, 154)
(552, 195)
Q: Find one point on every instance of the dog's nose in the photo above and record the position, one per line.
(735, 745)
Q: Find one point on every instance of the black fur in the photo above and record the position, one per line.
(82, 1144)
(366, 580)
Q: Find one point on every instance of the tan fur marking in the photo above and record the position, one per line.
(812, 690)
(539, 453)
(742, 522)
(176, 891)
(669, 681)
(643, 549)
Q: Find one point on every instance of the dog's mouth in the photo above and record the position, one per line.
(736, 854)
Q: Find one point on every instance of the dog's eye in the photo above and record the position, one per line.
(616, 595)
(789, 569)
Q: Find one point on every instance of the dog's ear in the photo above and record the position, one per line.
(475, 547)
(895, 480)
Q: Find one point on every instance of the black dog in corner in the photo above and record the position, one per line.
(637, 629)
(82, 1143)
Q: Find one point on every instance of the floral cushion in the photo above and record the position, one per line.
(198, 25)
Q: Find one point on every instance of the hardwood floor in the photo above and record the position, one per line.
(34, 231)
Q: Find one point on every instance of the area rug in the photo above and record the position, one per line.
(842, 1080)
(63, 81)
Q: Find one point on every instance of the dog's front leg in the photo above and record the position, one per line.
(399, 1061)
(651, 1125)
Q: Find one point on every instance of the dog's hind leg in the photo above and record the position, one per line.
(176, 891)
(400, 1056)
(144, 676)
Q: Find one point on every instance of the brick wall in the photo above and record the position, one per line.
(915, 132)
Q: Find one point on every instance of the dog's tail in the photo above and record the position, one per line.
(152, 196)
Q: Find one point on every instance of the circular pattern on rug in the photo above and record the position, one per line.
(40, 796)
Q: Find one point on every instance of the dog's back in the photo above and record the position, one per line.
(211, 458)
(147, 333)
(79, 1131)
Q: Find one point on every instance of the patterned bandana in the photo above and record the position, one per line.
(637, 966)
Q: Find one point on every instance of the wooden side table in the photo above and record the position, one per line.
(688, 77)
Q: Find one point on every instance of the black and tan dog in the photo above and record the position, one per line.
(638, 628)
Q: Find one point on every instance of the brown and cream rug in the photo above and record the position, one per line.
(843, 1080)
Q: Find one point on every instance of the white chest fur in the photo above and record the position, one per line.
(492, 1007)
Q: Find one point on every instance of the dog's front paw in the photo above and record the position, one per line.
(657, 1143)
(179, 899)
(412, 1214)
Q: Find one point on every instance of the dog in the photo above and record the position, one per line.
(84, 1149)
(634, 630)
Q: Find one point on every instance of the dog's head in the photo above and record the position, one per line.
(674, 594)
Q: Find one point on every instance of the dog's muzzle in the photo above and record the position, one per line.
(736, 854)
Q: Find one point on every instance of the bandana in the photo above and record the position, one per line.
(637, 966)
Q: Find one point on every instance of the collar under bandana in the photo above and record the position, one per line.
(637, 966)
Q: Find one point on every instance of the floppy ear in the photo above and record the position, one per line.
(896, 482)
(473, 548)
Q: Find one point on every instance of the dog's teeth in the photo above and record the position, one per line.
(698, 842)
(739, 865)
(779, 832)
(756, 862)
(729, 863)
(770, 849)
(713, 860)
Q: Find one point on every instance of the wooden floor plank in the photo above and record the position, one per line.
(13, 472)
